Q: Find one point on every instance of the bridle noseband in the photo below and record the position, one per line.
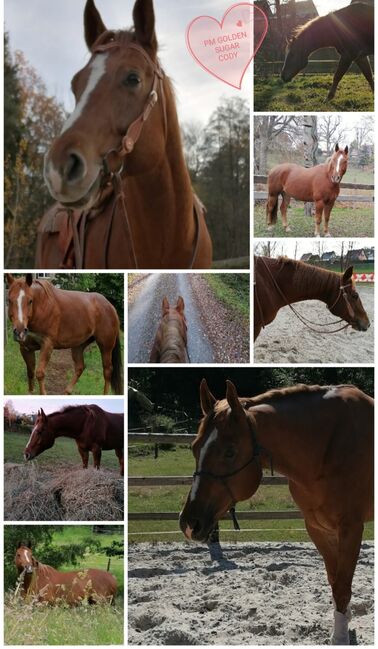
(223, 477)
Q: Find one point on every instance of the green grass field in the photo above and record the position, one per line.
(64, 451)
(309, 93)
(171, 499)
(15, 377)
(232, 290)
(344, 222)
(38, 624)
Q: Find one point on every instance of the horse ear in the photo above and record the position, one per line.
(29, 279)
(29, 545)
(337, 146)
(346, 150)
(206, 398)
(165, 305)
(144, 23)
(44, 417)
(233, 399)
(180, 306)
(19, 544)
(348, 274)
(93, 25)
(9, 279)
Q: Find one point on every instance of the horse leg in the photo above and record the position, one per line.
(107, 367)
(119, 454)
(44, 357)
(365, 67)
(319, 206)
(327, 214)
(343, 66)
(84, 456)
(96, 450)
(29, 358)
(271, 211)
(284, 205)
(77, 354)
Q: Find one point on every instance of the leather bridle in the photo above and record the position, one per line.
(223, 477)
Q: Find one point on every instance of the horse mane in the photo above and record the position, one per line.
(298, 31)
(46, 286)
(307, 274)
(68, 409)
(175, 341)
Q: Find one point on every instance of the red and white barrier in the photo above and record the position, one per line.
(363, 277)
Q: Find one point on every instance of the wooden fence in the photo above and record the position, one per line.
(346, 198)
(165, 481)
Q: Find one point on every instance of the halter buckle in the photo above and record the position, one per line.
(153, 97)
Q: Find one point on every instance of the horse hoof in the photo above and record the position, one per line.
(327, 234)
(288, 229)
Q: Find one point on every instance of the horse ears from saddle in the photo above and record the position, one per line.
(165, 305)
(144, 23)
(180, 306)
(232, 398)
(93, 25)
(207, 399)
(348, 274)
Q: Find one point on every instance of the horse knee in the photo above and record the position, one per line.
(40, 374)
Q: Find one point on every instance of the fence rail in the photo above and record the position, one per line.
(177, 480)
(346, 198)
(264, 179)
(243, 516)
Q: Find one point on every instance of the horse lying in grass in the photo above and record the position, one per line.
(170, 344)
(92, 428)
(321, 438)
(319, 184)
(42, 583)
(350, 30)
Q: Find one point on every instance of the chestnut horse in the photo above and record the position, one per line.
(92, 428)
(46, 318)
(42, 583)
(321, 439)
(118, 170)
(170, 344)
(320, 184)
(281, 282)
(349, 30)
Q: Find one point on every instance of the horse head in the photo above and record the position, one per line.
(115, 93)
(20, 304)
(348, 305)
(296, 59)
(24, 559)
(338, 164)
(41, 437)
(227, 463)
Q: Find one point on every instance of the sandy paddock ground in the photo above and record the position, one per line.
(259, 594)
(286, 339)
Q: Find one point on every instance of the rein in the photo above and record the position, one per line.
(223, 477)
(301, 317)
(112, 177)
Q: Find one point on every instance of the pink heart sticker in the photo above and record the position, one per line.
(225, 49)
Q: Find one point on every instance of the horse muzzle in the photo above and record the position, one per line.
(28, 456)
(196, 528)
(20, 335)
(361, 325)
(336, 179)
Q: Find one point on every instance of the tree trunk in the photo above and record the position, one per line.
(310, 141)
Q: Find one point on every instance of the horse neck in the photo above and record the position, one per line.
(165, 195)
(43, 303)
(67, 424)
(304, 282)
(318, 34)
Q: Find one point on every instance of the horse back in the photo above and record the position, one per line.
(103, 428)
(357, 33)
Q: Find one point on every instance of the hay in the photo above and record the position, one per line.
(63, 493)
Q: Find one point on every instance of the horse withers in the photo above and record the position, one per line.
(319, 184)
(42, 583)
(45, 318)
(118, 170)
(321, 438)
(93, 429)
(170, 344)
(350, 30)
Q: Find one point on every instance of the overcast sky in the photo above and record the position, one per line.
(51, 36)
(28, 405)
(289, 247)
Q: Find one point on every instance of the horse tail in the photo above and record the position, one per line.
(272, 209)
(117, 375)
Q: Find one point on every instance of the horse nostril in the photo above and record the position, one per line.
(75, 167)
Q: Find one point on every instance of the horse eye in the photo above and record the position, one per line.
(229, 452)
(30, 302)
(131, 80)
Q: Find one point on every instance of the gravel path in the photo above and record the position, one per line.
(261, 594)
(287, 340)
(145, 313)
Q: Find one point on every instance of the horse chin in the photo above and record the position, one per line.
(360, 326)
(85, 201)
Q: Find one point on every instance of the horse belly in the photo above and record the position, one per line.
(299, 186)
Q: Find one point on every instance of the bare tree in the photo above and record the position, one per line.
(310, 142)
(267, 128)
(331, 130)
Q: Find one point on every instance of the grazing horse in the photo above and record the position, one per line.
(42, 583)
(45, 318)
(170, 344)
(321, 439)
(117, 169)
(349, 30)
(281, 282)
(92, 428)
(320, 184)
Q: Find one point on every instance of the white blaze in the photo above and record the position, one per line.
(97, 66)
(338, 162)
(21, 295)
(212, 437)
(31, 435)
